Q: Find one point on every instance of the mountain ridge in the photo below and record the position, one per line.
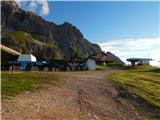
(26, 31)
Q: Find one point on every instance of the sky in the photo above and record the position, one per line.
(127, 29)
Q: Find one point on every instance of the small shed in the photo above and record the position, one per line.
(91, 64)
(139, 61)
(27, 57)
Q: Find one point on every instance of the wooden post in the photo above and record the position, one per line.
(12, 71)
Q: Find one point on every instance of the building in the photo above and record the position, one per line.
(91, 64)
(26, 61)
(100, 58)
(27, 57)
(139, 61)
(107, 58)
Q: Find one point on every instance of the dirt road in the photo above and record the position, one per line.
(82, 96)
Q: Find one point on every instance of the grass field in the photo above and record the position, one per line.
(25, 81)
(143, 81)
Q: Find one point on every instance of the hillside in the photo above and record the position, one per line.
(30, 33)
(139, 82)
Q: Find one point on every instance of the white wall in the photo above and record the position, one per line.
(91, 64)
(144, 62)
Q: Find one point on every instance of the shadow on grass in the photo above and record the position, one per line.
(157, 70)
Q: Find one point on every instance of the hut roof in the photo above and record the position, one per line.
(27, 57)
(137, 59)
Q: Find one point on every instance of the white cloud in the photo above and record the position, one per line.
(33, 5)
(18, 2)
(45, 8)
(143, 48)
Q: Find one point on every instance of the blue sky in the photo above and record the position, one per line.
(100, 21)
(109, 23)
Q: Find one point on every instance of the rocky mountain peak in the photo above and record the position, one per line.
(45, 38)
(10, 5)
(67, 24)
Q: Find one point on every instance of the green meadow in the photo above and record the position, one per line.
(143, 81)
(25, 81)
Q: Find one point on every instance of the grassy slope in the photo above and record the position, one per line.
(26, 81)
(143, 81)
(24, 38)
(20, 37)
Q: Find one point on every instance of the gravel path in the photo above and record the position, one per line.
(82, 96)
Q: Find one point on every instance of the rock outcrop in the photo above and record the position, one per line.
(114, 58)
